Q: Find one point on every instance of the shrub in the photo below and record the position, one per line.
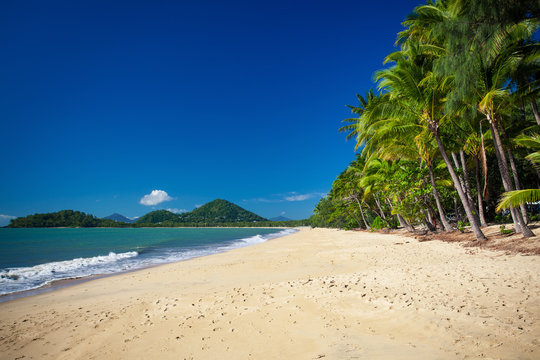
(377, 224)
(505, 231)
(461, 226)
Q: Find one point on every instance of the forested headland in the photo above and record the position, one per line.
(449, 135)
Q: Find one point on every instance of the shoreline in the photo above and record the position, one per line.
(62, 283)
(317, 293)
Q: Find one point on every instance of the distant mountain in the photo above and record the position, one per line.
(119, 218)
(157, 217)
(280, 218)
(220, 211)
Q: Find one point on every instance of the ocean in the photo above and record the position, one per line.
(33, 258)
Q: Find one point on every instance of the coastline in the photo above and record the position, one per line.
(65, 282)
(317, 293)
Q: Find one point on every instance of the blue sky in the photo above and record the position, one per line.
(103, 102)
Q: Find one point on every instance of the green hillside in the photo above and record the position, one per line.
(64, 218)
(157, 217)
(219, 211)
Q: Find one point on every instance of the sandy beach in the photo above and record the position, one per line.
(316, 294)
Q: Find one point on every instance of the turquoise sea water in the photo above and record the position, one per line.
(31, 258)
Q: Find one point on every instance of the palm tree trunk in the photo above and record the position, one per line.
(377, 201)
(429, 214)
(445, 223)
(519, 224)
(466, 176)
(522, 207)
(463, 197)
(479, 195)
(535, 111)
(503, 168)
(432, 217)
(428, 224)
(516, 177)
(405, 224)
(362, 212)
(456, 163)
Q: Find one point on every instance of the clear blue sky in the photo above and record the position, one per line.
(102, 102)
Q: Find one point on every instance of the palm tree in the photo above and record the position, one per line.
(405, 138)
(482, 47)
(493, 95)
(416, 91)
(352, 123)
(481, 50)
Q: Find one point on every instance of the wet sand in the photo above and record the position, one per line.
(316, 294)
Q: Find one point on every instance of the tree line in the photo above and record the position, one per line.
(71, 218)
(450, 134)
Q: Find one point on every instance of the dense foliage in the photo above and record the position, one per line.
(452, 127)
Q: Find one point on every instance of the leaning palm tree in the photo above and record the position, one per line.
(482, 48)
(494, 94)
(406, 138)
(416, 91)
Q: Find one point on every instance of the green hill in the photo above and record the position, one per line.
(158, 217)
(63, 218)
(220, 211)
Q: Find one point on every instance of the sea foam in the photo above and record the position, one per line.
(26, 278)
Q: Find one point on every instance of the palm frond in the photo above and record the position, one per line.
(514, 198)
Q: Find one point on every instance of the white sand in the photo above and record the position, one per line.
(316, 294)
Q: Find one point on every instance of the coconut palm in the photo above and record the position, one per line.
(481, 47)
(352, 128)
(416, 91)
(404, 138)
(494, 96)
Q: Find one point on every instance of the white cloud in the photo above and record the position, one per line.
(155, 197)
(177, 211)
(198, 205)
(282, 213)
(299, 197)
(5, 219)
(268, 200)
(290, 196)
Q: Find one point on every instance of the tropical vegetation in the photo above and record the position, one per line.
(451, 126)
(64, 218)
